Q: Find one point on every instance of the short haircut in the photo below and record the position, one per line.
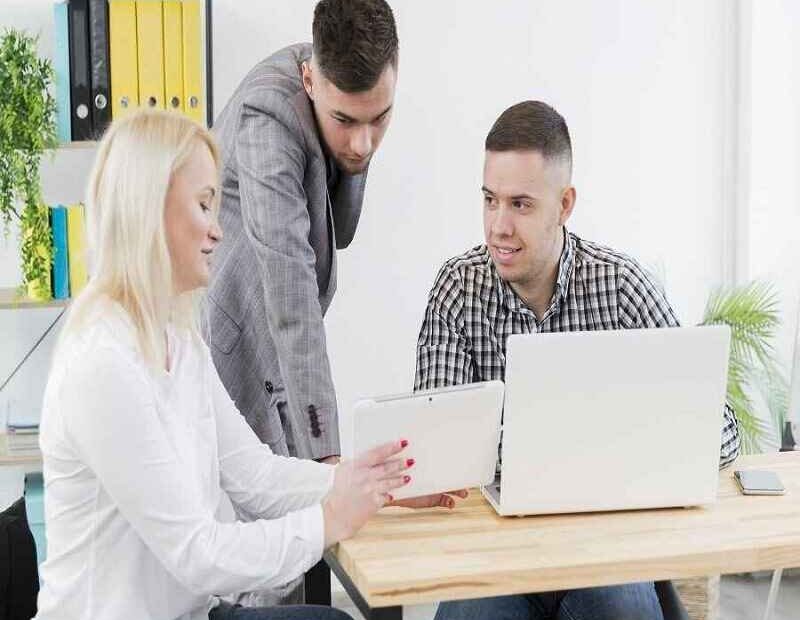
(354, 41)
(532, 126)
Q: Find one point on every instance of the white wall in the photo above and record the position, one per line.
(642, 87)
(773, 155)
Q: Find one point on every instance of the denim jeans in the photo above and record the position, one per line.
(634, 601)
(226, 611)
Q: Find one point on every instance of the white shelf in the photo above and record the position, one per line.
(10, 299)
(79, 145)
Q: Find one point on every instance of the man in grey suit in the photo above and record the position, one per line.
(296, 137)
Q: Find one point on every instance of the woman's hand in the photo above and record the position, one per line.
(361, 487)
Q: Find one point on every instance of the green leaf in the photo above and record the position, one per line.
(27, 130)
(751, 312)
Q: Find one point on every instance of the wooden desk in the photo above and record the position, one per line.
(405, 557)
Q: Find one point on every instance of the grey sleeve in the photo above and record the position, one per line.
(271, 158)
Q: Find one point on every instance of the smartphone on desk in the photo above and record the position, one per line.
(759, 482)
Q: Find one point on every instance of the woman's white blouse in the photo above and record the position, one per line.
(138, 469)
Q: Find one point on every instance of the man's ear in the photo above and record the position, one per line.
(307, 82)
(568, 197)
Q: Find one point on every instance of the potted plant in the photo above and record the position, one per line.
(27, 130)
(751, 311)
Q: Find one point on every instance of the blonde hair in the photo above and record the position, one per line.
(128, 256)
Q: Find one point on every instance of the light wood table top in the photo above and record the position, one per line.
(404, 557)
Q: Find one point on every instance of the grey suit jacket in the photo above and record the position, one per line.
(274, 273)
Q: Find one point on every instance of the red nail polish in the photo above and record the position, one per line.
(406, 479)
(390, 498)
(403, 443)
(410, 462)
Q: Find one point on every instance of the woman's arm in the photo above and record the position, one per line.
(111, 419)
(264, 484)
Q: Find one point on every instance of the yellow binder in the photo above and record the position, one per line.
(173, 55)
(193, 56)
(76, 248)
(150, 37)
(124, 63)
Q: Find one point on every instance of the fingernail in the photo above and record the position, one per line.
(406, 479)
(410, 462)
(403, 443)
(391, 499)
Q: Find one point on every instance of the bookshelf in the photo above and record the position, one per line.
(10, 299)
(64, 168)
(78, 145)
(128, 63)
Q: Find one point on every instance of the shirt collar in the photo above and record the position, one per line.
(566, 263)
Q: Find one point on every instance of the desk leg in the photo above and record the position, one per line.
(773, 593)
(318, 584)
(369, 613)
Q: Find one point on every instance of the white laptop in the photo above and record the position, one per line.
(452, 433)
(611, 420)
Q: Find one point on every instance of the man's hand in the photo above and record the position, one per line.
(443, 500)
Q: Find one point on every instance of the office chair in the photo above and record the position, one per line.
(19, 574)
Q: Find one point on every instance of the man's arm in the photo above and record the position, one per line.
(443, 357)
(643, 304)
(271, 162)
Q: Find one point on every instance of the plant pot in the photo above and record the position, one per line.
(37, 253)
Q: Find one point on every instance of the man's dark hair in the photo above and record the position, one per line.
(354, 41)
(531, 126)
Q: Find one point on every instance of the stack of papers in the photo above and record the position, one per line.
(22, 436)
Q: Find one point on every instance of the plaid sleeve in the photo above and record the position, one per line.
(643, 304)
(730, 438)
(443, 357)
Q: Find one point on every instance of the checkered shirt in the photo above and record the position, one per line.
(472, 311)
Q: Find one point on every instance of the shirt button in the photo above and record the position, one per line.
(268, 387)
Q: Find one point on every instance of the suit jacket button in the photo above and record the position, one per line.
(269, 387)
(316, 432)
(312, 413)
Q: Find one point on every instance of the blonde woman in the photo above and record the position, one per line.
(144, 451)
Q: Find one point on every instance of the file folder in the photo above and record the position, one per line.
(150, 40)
(81, 111)
(123, 57)
(193, 61)
(76, 248)
(61, 70)
(58, 225)
(100, 73)
(173, 55)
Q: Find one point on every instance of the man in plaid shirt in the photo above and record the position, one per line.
(533, 276)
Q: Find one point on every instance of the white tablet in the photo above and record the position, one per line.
(453, 434)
